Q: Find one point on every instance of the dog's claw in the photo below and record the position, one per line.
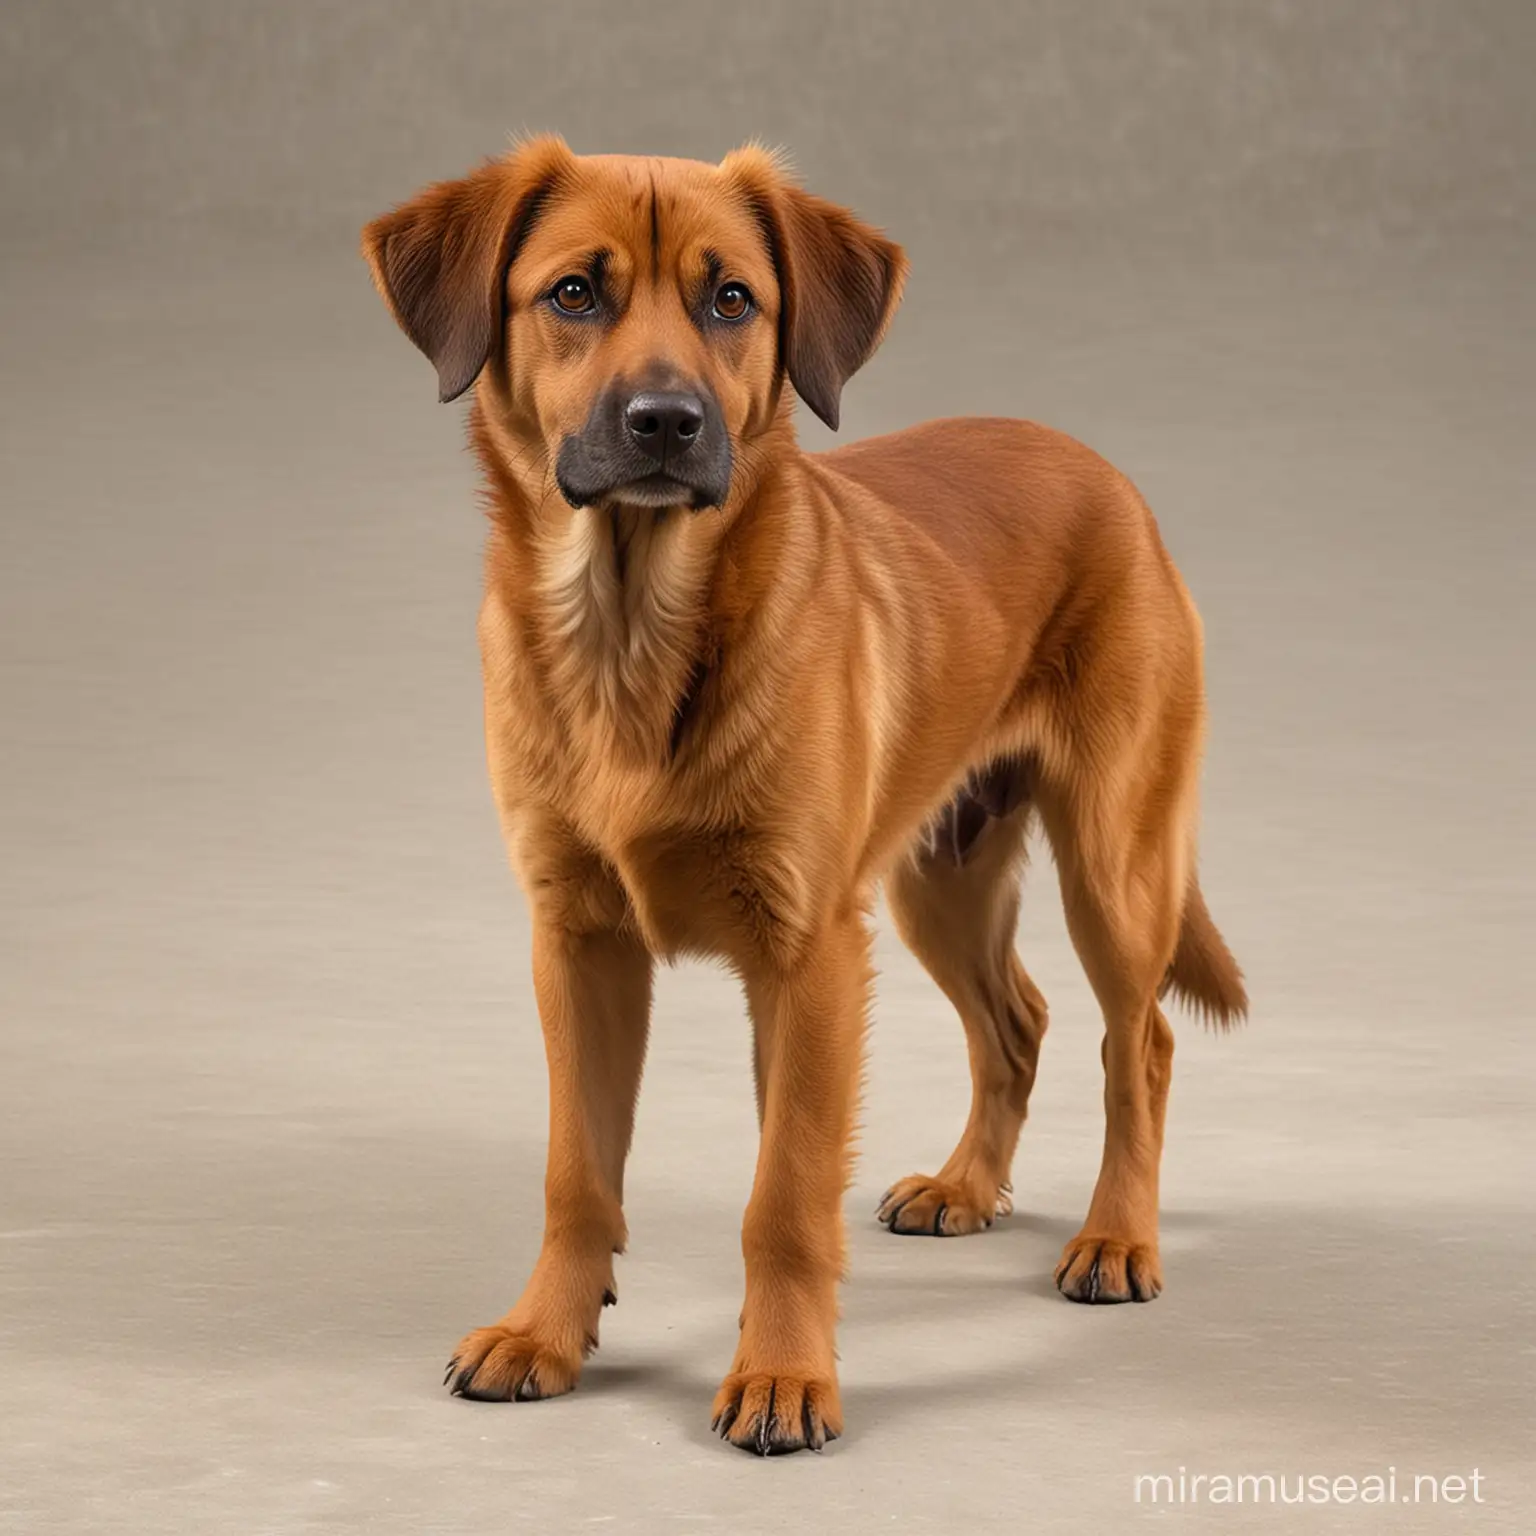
(810, 1428)
(765, 1423)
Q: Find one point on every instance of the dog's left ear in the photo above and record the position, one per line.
(440, 261)
(839, 280)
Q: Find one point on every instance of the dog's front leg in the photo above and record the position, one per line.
(594, 996)
(808, 1013)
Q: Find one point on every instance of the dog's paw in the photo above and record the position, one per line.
(1106, 1269)
(922, 1207)
(773, 1414)
(501, 1364)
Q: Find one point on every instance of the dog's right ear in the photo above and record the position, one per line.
(440, 260)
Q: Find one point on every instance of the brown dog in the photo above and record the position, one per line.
(731, 686)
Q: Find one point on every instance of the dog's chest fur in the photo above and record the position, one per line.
(612, 681)
(622, 602)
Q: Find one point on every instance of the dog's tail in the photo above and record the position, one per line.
(1203, 975)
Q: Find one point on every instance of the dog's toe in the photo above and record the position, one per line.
(499, 1364)
(1105, 1270)
(923, 1207)
(771, 1415)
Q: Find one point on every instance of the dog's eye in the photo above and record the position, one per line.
(573, 295)
(732, 302)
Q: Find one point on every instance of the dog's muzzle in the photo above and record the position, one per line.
(652, 446)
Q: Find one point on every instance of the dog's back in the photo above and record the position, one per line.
(1008, 499)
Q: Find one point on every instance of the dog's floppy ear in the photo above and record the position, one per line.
(839, 280)
(440, 260)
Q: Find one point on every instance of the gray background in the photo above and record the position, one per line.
(272, 1096)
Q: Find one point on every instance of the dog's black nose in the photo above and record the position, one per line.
(664, 424)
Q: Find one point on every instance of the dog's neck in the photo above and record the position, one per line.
(624, 609)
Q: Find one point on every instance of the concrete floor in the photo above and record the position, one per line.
(272, 1095)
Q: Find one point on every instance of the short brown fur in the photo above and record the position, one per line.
(714, 732)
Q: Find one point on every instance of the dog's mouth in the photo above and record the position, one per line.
(655, 490)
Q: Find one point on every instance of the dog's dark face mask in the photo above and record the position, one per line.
(656, 441)
(632, 321)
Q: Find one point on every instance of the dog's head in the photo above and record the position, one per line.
(633, 319)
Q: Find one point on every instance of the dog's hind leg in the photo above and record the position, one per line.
(956, 906)
(1119, 825)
